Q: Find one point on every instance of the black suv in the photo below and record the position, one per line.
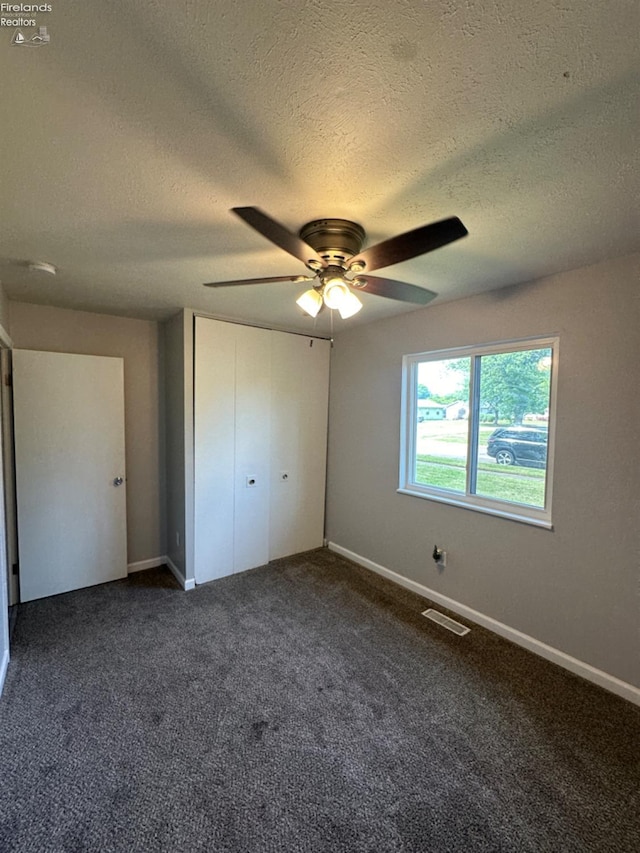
(518, 445)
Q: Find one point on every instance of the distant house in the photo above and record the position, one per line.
(430, 411)
(458, 411)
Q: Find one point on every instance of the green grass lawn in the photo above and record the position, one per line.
(462, 438)
(509, 483)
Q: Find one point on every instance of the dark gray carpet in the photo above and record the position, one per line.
(301, 707)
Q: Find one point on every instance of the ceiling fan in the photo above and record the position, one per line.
(332, 250)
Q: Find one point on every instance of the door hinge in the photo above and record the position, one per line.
(15, 568)
(8, 380)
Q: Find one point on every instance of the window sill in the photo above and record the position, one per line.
(463, 502)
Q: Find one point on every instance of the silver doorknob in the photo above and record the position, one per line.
(118, 481)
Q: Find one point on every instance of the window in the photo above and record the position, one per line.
(477, 427)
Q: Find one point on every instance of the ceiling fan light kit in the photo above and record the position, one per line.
(310, 301)
(332, 250)
(335, 291)
(348, 302)
(335, 295)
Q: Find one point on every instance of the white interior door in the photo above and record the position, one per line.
(8, 464)
(4, 575)
(69, 443)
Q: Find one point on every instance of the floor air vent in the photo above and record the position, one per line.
(443, 620)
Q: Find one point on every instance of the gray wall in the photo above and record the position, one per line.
(4, 310)
(177, 337)
(174, 365)
(136, 341)
(576, 588)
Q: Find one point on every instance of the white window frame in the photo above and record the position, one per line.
(540, 517)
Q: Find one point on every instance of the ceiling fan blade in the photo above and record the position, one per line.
(411, 244)
(395, 289)
(279, 235)
(259, 280)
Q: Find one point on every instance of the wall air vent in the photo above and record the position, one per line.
(447, 623)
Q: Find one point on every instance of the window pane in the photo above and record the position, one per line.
(513, 429)
(442, 428)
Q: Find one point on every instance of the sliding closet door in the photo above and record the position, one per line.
(299, 404)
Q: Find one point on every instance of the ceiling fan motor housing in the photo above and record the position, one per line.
(335, 240)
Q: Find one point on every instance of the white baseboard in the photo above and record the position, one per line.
(185, 583)
(154, 562)
(578, 667)
(4, 665)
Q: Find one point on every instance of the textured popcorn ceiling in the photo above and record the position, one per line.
(126, 140)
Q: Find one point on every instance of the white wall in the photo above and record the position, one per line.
(42, 327)
(576, 588)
